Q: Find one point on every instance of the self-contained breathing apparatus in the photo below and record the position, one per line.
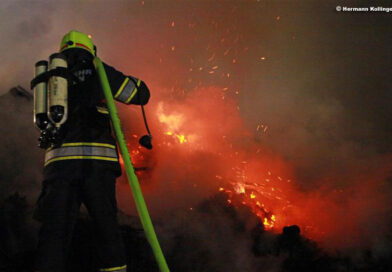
(50, 87)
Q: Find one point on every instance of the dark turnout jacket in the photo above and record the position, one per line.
(86, 138)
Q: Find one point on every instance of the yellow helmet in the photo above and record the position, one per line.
(76, 39)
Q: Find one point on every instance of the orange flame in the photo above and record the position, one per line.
(173, 122)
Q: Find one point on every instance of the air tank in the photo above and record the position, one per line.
(41, 119)
(57, 108)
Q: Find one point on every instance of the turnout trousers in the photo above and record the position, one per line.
(58, 207)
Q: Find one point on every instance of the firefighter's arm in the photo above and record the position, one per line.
(127, 89)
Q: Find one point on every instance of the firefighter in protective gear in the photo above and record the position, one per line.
(83, 164)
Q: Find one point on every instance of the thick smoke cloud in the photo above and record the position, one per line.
(314, 81)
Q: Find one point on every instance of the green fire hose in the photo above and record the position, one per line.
(132, 178)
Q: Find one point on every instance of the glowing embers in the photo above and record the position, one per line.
(269, 223)
(241, 196)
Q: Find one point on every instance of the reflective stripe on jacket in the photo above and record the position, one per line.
(71, 151)
(127, 90)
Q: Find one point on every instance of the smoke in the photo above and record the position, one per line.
(21, 166)
(280, 91)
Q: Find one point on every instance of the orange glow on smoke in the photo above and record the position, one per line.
(173, 121)
(197, 154)
(199, 138)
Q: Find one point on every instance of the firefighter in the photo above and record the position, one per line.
(82, 162)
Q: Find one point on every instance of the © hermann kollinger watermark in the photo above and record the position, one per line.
(364, 9)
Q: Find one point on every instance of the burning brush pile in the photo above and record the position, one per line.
(203, 147)
(226, 202)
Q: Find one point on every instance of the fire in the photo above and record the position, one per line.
(239, 188)
(258, 194)
(269, 224)
(174, 123)
(243, 183)
(180, 137)
(251, 190)
(251, 200)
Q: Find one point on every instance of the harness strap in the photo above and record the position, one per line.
(44, 77)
